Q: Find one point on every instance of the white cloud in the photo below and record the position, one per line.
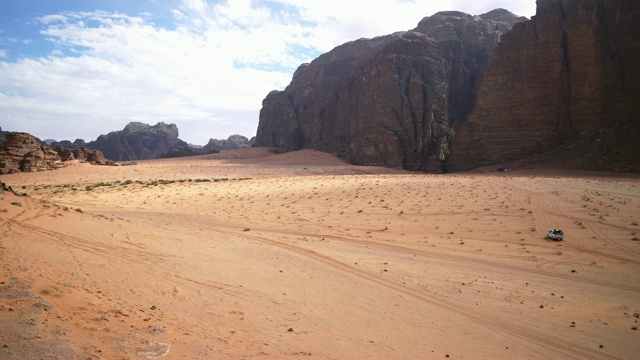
(209, 74)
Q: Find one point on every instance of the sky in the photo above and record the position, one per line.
(77, 69)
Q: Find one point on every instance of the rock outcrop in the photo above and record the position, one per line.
(393, 100)
(83, 154)
(22, 152)
(138, 141)
(232, 143)
(569, 78)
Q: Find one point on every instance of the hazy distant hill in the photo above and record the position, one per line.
(138, 141)
(232, 143)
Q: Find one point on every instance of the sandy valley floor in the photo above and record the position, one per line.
(245, 254)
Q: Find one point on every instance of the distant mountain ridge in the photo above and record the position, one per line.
(139, 141)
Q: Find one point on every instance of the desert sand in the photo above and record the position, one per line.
(247, 254)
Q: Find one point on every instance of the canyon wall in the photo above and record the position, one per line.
(569, 79)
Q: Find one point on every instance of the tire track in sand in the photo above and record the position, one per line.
(508, 330)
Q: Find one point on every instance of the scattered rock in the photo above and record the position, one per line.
(15, 203)
(157, 330)
(290, 330)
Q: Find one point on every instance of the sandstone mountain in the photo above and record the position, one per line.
(440, 98)
(138, 141)
(22, 152)
(393, 100)
(568, 79)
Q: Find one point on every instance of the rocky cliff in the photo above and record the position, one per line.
(567, 79)
(138, 141)
(393, 100)
(461, 91)
(21, 152)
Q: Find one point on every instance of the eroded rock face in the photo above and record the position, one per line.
(567, 81)
(390, 101)
(138, 141)
(568, 78)
(83, 154)
(21, 152)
